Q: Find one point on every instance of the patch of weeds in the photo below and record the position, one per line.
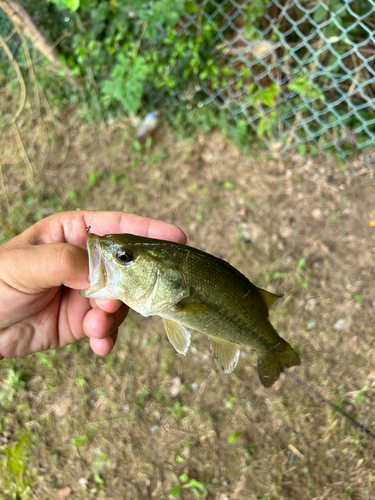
(234, 436)
(94, 179)
(177, 410)
(80, 381)
(143, 395)
(198, 489)
(158, 157)
(298, 275)
(16, 475)
(250, 450)
(46, 359)
(99, 481)
(160, 396)
(118, 179)
(79, 440)
(336, 217)
(11, 385)
(229, 404)
(101, 462)
(359, 395)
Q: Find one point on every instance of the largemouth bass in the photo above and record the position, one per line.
(189, 289)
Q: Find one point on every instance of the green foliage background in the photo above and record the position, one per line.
(130, 55)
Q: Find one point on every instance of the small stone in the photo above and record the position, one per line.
(310, 305)
(276, 146)
(286, 231)
(83, 482)
(194, 386)
(223, 496)
(340, 325)
(208, 157)
(175, 387)
(62, 409)
(316, 214)
(64, 492)
(311, 325)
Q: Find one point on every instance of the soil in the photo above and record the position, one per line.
(148, 423)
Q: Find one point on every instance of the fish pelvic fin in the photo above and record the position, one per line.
(271, 364)
(178, 336)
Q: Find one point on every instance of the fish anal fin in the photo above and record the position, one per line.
(268, 297)
(226, 354)
(271, 364)
(178, 336)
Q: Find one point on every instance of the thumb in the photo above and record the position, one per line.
(35, 268)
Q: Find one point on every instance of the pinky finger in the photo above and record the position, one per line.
(102, 347)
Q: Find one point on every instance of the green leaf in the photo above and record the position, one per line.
(301, 263)
(193, 483)
(79, 440)
(232, 438)
(174, 492)
(319, 14)
(191, 7)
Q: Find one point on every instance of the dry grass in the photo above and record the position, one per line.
(146, 421)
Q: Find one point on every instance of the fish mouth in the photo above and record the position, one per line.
(97, 271)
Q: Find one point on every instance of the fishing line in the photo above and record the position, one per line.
(89, 227)
(329, 403)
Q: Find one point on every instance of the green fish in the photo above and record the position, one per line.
(190, 289)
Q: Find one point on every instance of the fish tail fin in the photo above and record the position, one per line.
(271, 364)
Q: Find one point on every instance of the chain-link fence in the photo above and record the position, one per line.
(299, 73)
(303, 73)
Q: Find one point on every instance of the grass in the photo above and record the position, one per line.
(112, 427)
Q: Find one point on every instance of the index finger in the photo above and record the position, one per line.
(71, 227)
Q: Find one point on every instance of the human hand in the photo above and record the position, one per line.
(41, 272)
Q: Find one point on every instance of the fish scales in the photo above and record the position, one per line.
(190, 289)
(233, 302)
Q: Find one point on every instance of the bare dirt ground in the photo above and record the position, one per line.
(148, 423)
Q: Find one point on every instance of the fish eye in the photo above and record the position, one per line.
(124, 256)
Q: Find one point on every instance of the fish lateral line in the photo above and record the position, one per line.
(343, 413)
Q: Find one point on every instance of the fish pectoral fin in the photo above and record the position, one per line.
(268, 297)
(226, 354)
(271, 364)
(178, 336)
(189, 308)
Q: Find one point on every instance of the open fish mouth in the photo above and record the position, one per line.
(97, 271)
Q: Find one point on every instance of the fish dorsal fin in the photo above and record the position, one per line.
(226, 354)
(268, 297)
(178, 336)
